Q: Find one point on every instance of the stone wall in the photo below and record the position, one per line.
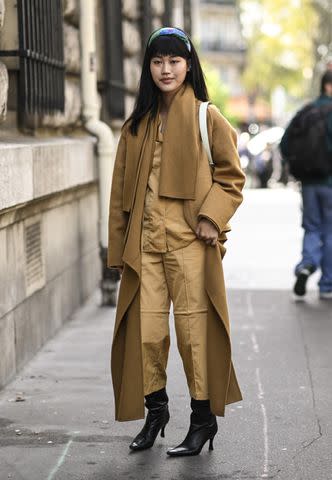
(71, 263)
(31, 169)
(49, 253)
(3, 73)
(49, 246)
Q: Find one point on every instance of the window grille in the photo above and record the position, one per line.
(41, 55)
(34, 258)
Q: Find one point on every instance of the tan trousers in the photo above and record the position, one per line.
(176, 276)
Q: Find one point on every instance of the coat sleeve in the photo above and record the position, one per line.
(228, 178)
(118, 218)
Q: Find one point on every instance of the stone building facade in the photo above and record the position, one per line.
(49, 191)
(219, 31)
(217, 27)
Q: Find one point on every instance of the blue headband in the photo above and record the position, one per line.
(170, 31)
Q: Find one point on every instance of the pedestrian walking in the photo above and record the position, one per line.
(307, 148)
(168, 219)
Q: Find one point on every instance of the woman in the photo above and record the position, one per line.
(168, 217)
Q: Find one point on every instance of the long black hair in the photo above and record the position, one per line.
(148, 93)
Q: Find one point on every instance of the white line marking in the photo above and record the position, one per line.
(61, 458)
(265, 430)
(256, 349)
(255, 345)
(250, 308)
(259, 383)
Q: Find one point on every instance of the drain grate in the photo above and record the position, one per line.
(34, 274)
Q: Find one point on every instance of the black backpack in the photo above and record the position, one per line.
(306, 143)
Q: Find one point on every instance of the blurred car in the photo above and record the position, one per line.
(265, 161)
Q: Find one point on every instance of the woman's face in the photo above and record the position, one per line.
(168, 72)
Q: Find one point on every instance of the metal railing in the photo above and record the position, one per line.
(41, 54)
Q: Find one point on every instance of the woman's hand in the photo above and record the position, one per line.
(207, 232)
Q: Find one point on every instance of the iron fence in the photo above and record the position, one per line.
(41, 54)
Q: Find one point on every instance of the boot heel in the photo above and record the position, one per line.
(211, 443)
(162, 433)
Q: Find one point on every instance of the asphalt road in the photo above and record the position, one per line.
(64, 428)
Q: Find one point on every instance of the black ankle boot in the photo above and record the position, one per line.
(203, 427)
(156, 420)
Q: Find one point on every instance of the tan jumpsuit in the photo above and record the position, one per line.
(172, 270)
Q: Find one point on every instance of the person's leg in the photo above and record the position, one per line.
(312, 225)
(155, 304)
(184, 270)
(312, 242)
(325, 283)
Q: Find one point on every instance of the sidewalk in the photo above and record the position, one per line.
(64, 428)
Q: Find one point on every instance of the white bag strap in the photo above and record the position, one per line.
(204, 131)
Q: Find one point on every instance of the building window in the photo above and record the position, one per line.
(221, 34)
(41, 57)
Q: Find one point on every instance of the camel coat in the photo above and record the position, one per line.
(180, 177)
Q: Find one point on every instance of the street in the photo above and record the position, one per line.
(56, 417)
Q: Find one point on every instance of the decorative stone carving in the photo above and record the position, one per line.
(73, 106)
(2, 12)
(131, 39)
(71, 11)
(3, 91)
(72, 49)
(157, 7)
(132, 72)
(130, 9)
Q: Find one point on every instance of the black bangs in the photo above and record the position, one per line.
(168, 45)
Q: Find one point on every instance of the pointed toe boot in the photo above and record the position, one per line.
(156, 421)
(203, 427)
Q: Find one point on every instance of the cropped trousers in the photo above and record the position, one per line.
(178, 277)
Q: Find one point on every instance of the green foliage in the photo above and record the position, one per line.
(280, 36)
(218, 91)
